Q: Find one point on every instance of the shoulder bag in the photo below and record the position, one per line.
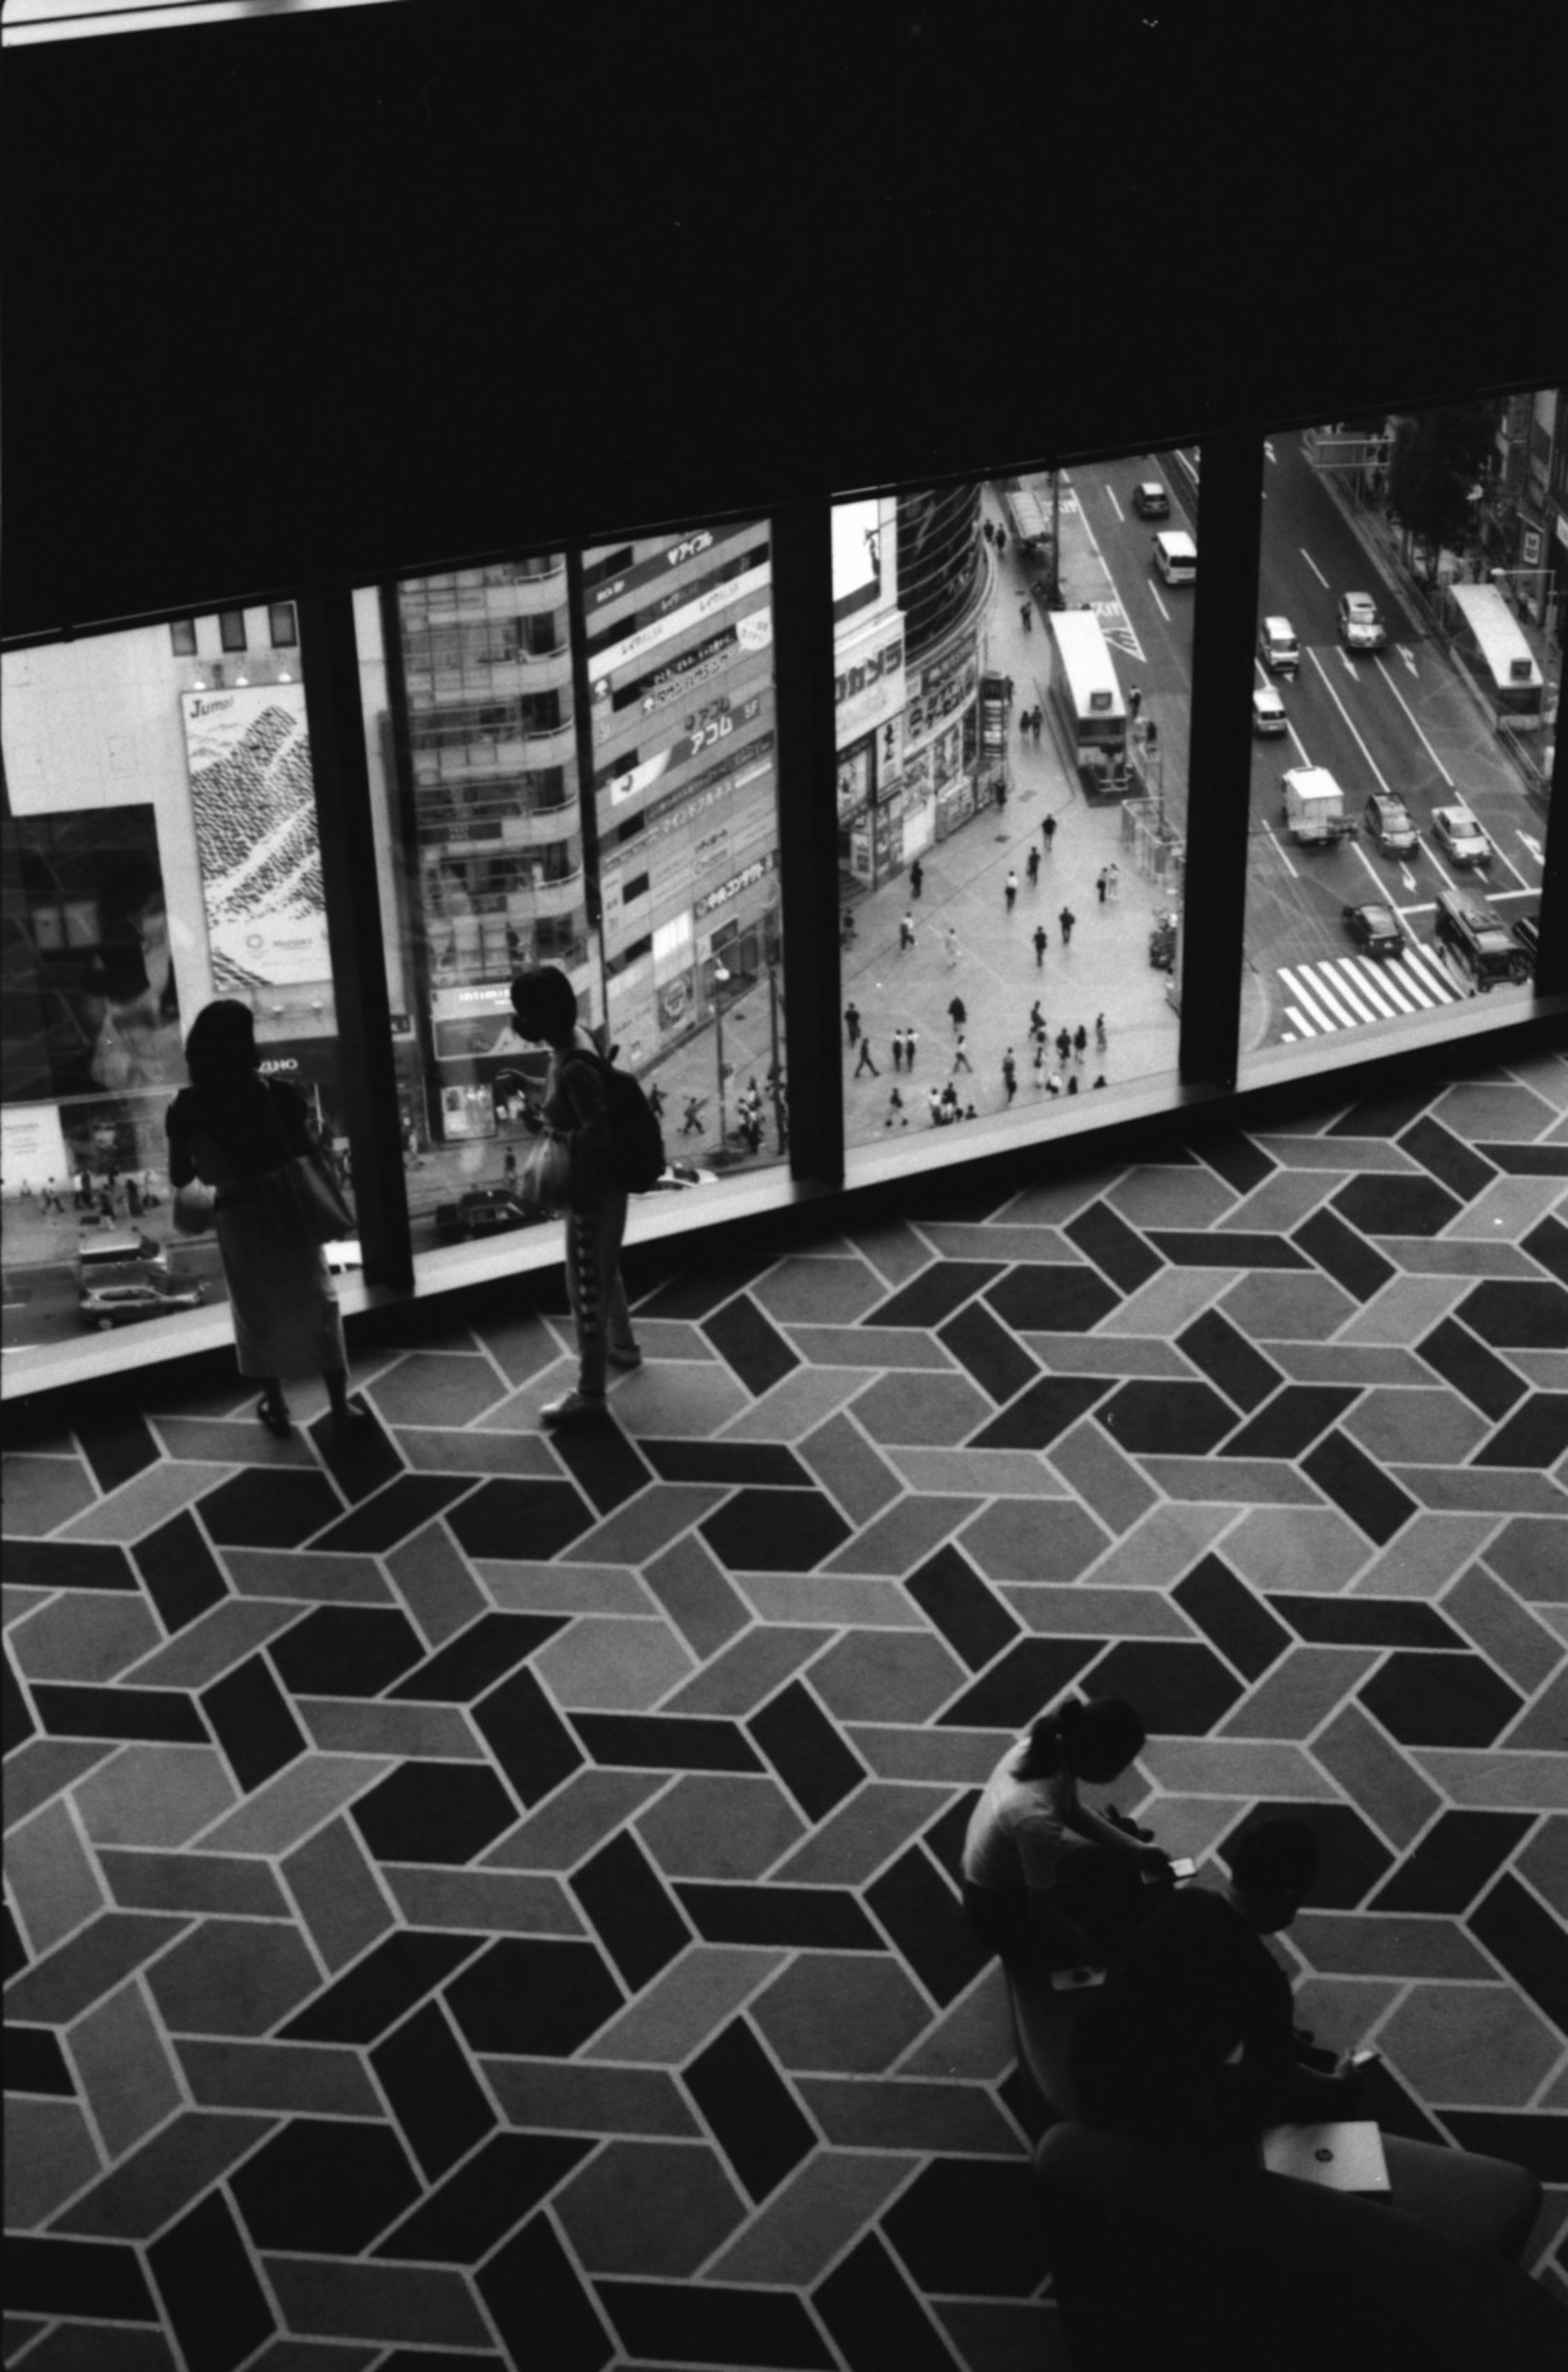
(301, 1196)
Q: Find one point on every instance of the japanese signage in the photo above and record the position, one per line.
(679, 621)
(758, 871)
(940, 692)
(869, 683)
(646, 571)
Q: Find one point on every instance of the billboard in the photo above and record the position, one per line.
(253, 802)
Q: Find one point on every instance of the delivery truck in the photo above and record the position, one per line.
(1313, 808)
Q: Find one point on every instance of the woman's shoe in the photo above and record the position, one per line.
(275, 1416)
(572, 1408)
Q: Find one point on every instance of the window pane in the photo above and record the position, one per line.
(574, 765)
(1409, 652)
(231, 629)
(282, 625)
(182, 637)
(159, 849)
(1012, 694)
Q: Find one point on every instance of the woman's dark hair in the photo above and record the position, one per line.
(1094, 1740)
(1274, 1858)
(221, 1047)
(545, 1004)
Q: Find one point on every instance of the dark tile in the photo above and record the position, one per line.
(380, 1988)
(628, 1907)
(489, 2197)
(1166, 1418)
(477, 1658)
(1366, 1622)
(656, 1741)
(68, 1564)
(755, 2117)
(970, 2228)
(18, 1724)
(117, 1442)
(1181, 1691)
(1103, 1235)
(1547, 1243)
(1538, 2141)
(525, 1518)
(1535, 1435)
(1395, 2110)
(96, 2280)
(603, 1463)
(1345, 1474)
(824, 1917)
(1529, 1160)
(774, 1531)
(1240, 1626)
(1384, 1203)
(1236, 1159)
(873, 2317)
(997, 1361)
(1528, 1942)
(361, 1466)
(533, 1997)
(1229, 1360)
(933, 1295)
(945, 1837)
(767, 1462)
(444, 1812)
(61, 1984)
(527, 1737)
(1453, 1352)
(269, 1507)
(922, 1913)
(440, 2106)
(1342, 1255)
(218, 2309)
(1386, 1115)
(967, 1611)
(1514, 1314)
(326, 2184)
(166, 1716)
(806, 1750)
(180, 1572)
(745, 1337)
(346, 1651)
(1426, 1700)
(679, 2322)
(35, 2062)
(253, 1721)
(1456, 1165)
(704, 1285)
(530, 2287)
(1195, 1247)
(1052, 1297)
(1291, 1420)
(380, 1521)
(1352, 1857)
(1013, 1691)
(1039, 1414)
(1453, 1861)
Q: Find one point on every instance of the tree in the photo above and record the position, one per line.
(1436, 460)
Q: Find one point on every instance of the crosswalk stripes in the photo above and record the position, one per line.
(1346, 991)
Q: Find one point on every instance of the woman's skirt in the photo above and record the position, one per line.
(287, 1320)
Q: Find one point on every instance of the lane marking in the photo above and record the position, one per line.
(1372, 869)
(1111, 494)
(1298, 990)
(1314, 567)
(1284, 860)
(1534, 847)
(1349, 666)
(1159, 605)
(1407, 655)
(1339, 703)
(1268, 449)
(1303, 1026)
(1415, 728)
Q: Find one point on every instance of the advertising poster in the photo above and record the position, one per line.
(253, 800)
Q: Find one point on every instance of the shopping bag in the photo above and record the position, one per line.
(545, 1176)
(193, 1207)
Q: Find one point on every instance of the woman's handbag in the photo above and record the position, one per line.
(545, 1176)
(302, 1198)
(194, 1203)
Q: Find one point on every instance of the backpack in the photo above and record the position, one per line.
(636, 1140)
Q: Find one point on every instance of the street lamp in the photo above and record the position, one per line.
(721, 980)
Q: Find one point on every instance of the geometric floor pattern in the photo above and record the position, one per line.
(490, 1899)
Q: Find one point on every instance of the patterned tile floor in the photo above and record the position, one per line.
(491, 1899)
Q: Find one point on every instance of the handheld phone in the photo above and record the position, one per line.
(1075, 1980)
(1368, 2058)
(1176, 1873)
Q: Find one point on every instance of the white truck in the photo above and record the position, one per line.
(1031, 518)
(1314, 808)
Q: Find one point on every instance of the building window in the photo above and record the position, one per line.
(231, 629)
(182, 635)
(282, 625)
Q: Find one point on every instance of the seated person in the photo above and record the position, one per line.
(1046, 1880)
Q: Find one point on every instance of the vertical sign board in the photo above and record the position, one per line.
(253, 800)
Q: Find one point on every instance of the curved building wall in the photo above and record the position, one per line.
(941, 562)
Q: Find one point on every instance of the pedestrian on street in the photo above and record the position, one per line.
(50, 1199)
(1080, 1042)
(692, 1123)
(951, 943)
(510, 1171)
(1036, 1020)
(1032, 865)
(898, 1052)
(1100, 1081)
(911, 1040)
(1066, 918)
(1040, 1065)
(865, 1063)
(1008, 682)
(1026, 612)
(895, 1106)
(1114, 881)
(987, 531)
(917, 878)
(1025, 722)
(1134, 702)
(1071, 1082)
(935, 1100)
(1053, 1084)
(906, 933)
(961, 1059)
(656, 1100)
(852, 1022)
(1010, 890)
(949, 1102)
(1000, 790)
(1064, 1046)
(1040, 944)
(1100, 1033)
(1039, 719)
(959, 1012)
(1099, 884)
(1001, 539)
(1010, 1074)
(1048, 830)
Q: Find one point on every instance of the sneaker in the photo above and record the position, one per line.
(631, 1357)
(572, 1408)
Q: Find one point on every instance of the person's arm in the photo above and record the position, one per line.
(1097, 1830)
(181, 1168)
(587, 1139)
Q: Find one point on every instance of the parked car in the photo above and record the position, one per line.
(1150, 500)
(1361, 629)
(1268, 711)
(1390, 825)
(483, 1211)
(1459, 836)
(104, 1306)
(1375, 929)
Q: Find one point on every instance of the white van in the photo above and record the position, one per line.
(95, 1253)
(1176, 556)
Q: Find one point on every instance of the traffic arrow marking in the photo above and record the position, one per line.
(1407, 877)
(1408, 656)
(1346, 663)
(1533, 846)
